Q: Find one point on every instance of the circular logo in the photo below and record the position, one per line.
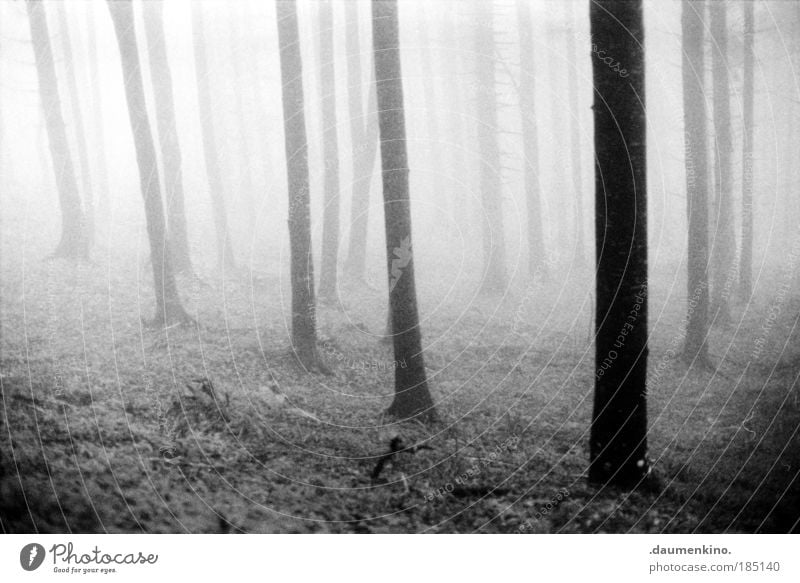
(31, 556)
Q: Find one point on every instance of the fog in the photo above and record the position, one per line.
(495, 118)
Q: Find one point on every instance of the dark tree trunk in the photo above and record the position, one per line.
(364, 137)
(168, 304)
(575, 135)
(494, 272)
(696, 161)
(618, 442)
(161, 79)
(412, 398)
(304, 333)
(77, 116)
(723, 246)
(74, 242)
(98, 125)
(216, 188)
(530, 141)
(328, 283)
(746, 262)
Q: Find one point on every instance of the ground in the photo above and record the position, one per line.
(111, 425)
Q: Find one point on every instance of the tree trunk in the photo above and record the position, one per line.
(77, 115)
(168, 305)
(74, 242)
(412, 398)
(530, 141)
(574, 133)
(304, 333)
(723, 247)
(328, 284)
(364, 137)
(245, 174)
(216, 188)
(161, 79)
(696, 161)
(618, 442)
(494, 272)
(98, 125)
(746, 259)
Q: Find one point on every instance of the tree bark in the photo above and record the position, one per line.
(161, 80)
(696, 161)
(723, 247)
(530, 141)
(304, 334)
(168, 305)
(77, 115)
(328, 284)
(494, 272)
(364, 137)
(746, 259)
(412, 398)
(225, 257)
(618, 441)
(74, 242)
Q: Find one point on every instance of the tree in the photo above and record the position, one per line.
(723, 248)
(494, 273)
(73, 243)
(574, 133)
(364, 139)
(168, 305)
(696, 162)
(746, 258)
(101, 166)
(530, 139)
(412, 398)
(330, 222)
(304, 332)
(77, 115)
(216, 188)
(161, 80)
(618, 441)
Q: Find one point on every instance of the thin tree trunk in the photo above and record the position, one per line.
(74, 243)
(723, 248)
(574, 133)
(696, 161)
(161, 79)
(412, 398)
(530, 141)
(225, 258)
(618, 441)
(168, 305)
(245, 176)
(77, 115)
(455, 95)
(364, 137)
(328, 284)
(746, 259)
(304, 334)
(494, 273)
(98, 125)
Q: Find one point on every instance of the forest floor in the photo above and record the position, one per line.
(109, 426)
